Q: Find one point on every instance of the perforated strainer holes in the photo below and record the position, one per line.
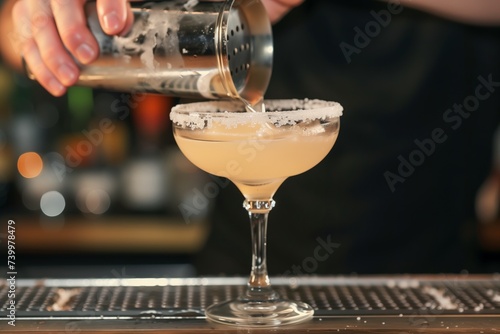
(239, 63)
(238, 49)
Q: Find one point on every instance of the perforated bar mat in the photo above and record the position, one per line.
(188, 298)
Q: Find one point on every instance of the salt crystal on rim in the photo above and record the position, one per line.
(199, 115)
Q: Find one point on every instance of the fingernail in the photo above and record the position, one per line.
(111, 22)
(67, 74)
(85, 53)
(56, 88)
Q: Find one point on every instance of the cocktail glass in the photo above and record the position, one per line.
(257, 151)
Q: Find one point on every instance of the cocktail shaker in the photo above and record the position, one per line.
(186, 48)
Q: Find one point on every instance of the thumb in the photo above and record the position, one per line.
(115, 16)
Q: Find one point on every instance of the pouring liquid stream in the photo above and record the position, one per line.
(257, 107)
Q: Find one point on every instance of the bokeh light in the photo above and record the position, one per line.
(52, 203)
(96, 201)
(30, 165)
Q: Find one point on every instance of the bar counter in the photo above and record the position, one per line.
(352, 304)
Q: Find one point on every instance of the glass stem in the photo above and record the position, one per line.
(259, 285)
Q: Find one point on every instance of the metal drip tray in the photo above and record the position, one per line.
(375, 303)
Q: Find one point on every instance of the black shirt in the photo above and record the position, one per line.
(396, 194)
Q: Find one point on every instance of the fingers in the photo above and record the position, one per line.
(41, 46)
(115, 16)
(72, 26)
(51, 49)
(42, 74)
(129, 22)
(53, 33)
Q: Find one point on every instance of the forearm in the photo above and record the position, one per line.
(479, 12)
(276, 9)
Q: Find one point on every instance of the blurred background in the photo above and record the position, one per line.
(82, 182)
(97, 186)
(95, 179)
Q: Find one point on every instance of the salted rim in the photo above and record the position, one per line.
(231, 113)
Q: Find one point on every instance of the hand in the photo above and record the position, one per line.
(276, 9)
(51, 31)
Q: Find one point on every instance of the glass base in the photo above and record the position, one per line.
(245, 313)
